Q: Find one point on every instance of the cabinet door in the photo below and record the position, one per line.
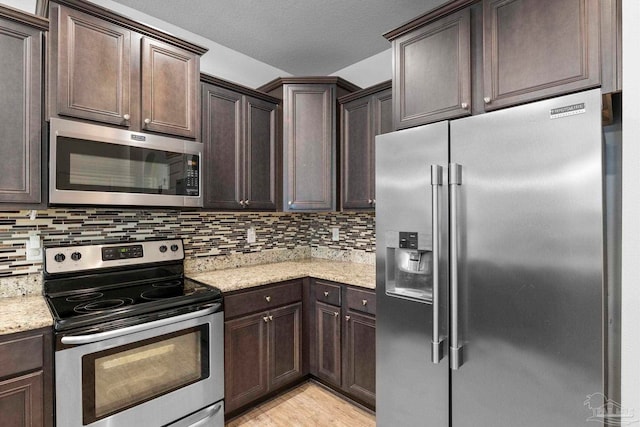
(21, 402)
(222, 138)
(382, 112)
(432, 72)
(539, 48)
(309, 147)
(360, 356)
(260, 154)
(357, 152)
(93, 68)
(20, 113)
(169, 89)
(328, 343)
(285, 349)
(245, 355)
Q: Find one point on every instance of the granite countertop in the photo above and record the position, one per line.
(24, 313)
(233, 279)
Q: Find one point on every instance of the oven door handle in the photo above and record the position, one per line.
(102, 336)
(211, 412)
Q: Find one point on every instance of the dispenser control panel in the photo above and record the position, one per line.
(408, 240)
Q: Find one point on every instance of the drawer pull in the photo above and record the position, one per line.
(326, 293)
(347, 318)
(268, 298)
(364, 302)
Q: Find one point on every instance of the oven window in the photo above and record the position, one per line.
(119, 378)
(83, 165)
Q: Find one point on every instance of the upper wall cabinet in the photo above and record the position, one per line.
(21, 37)
(309, 122)
(240, 146)
(363, 114)
(107, 68)
(471, 56)
(539, 48)
(432, 72)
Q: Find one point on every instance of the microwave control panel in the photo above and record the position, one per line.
(192, 176)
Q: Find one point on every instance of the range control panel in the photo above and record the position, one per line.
(67, 259)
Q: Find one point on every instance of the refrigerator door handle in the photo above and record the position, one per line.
(455, 180)
(436, 183)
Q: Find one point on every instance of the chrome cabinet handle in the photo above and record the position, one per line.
(374, 201)
(326, 293)
(270, 317)
(347, 318)
(126, 117)
(336, 314)
(370, 201)
(464, 106)
(265, 318)
(364, 302)
(268, 298)
(290, 203)
(487, 100)
(436, 183)
(246, 202)
(242, 203)
(455, 180)
(147, 121)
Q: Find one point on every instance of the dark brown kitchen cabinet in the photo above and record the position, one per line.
(26, 388)
(309, 140)
(263, 342)
(240, 146)
(21, 44)
(107, 68)
(432, 72)
(364, 114)
(344, 340)
(539, 48)
(329, 343)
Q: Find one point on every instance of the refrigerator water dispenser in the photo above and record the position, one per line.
(409, 269)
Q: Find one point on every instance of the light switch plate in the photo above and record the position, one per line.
(335, 234)
(251, 235)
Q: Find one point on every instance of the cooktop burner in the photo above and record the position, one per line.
(89, 285)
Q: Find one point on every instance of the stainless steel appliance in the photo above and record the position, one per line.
(100, 165)
(490, 266)
(136, 342)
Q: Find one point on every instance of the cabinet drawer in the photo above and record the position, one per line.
(361, 300)
(21, 355)
(328, 293)
(262, 299)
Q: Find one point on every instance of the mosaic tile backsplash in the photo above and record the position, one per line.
(206, 234)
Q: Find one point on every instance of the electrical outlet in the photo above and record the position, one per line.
(335, 234)
(33, 247)
(251, 235)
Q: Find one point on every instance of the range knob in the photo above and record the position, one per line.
(174, 247)
(76, 256)
(59, 257)
(163, 248)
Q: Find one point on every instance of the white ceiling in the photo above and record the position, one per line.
(302, 37)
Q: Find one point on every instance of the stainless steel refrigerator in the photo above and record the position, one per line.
(490, 265)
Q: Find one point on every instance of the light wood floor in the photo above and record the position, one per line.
(307, 405)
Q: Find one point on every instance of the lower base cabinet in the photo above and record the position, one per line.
(26, 389)
(263, 349)
(359, 373)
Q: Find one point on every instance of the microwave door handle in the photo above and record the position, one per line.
(102, 336)
(455, 350)
(436, 184)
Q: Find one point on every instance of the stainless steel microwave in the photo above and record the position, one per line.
(98, 165)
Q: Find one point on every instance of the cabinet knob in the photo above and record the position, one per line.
(487, 100)
(336, 314)
(290, 202)
(370, 201)
(147, 121)
(268, 298)
(242, 203)
(246, 202)
(270, 317)
(464, 106)
(347, 318)
(326, 293)
(364, 302)
(266, 319)
(126, 117)
(374, 201)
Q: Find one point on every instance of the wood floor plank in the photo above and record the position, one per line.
(307, 405)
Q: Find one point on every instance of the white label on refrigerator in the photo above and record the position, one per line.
(569, 110)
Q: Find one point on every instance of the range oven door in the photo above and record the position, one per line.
(151, 374)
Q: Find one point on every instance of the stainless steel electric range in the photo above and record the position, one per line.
(137, 343)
